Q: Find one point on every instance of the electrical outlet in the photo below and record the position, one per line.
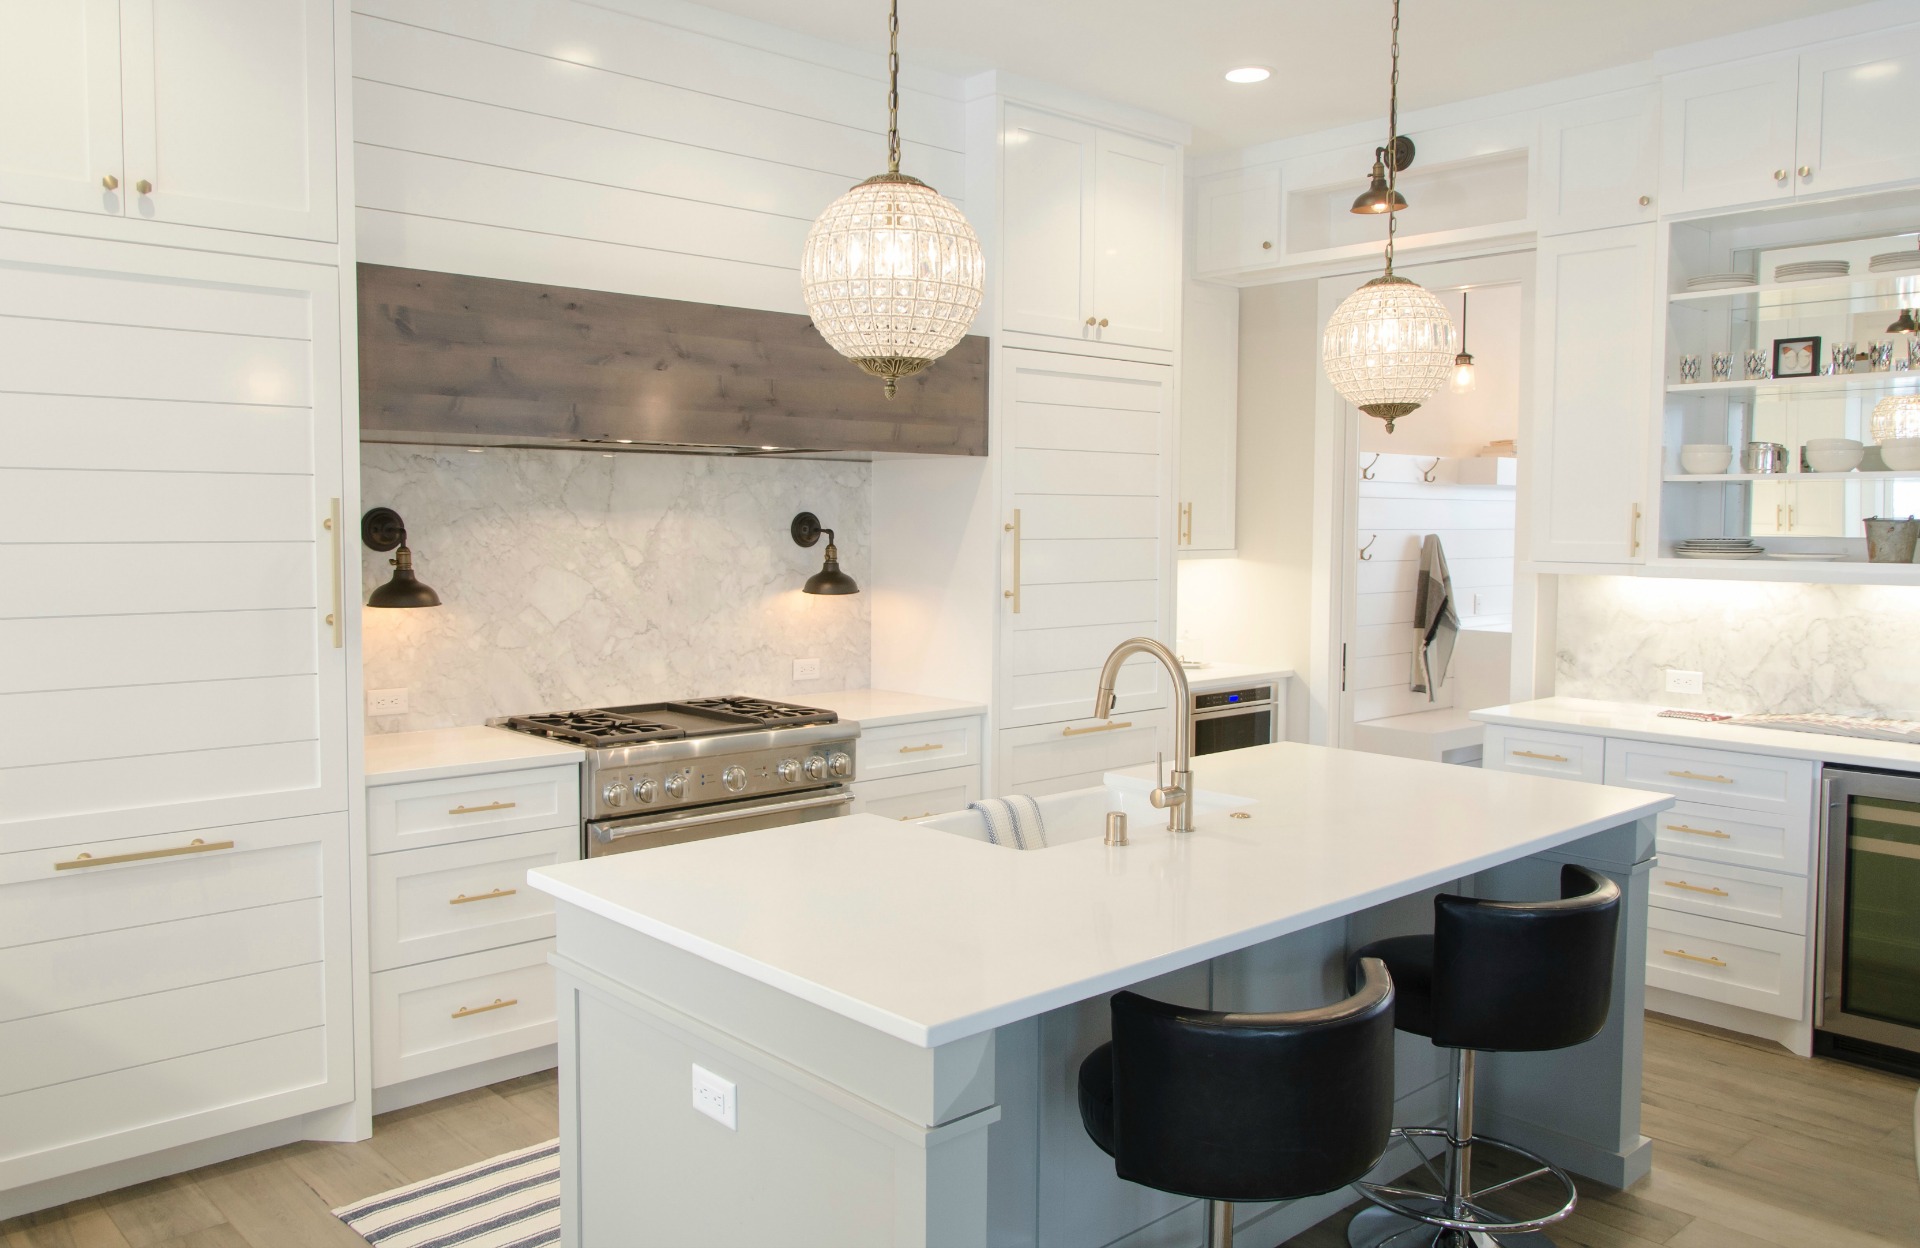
(386, 701)
(806, 669)
(714, 1097)
(1685, 682)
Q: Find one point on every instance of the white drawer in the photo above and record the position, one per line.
(1034, 755)
(436, 812)
(1772, 840)
(1733, 963)
(917, 796)
(1763, 898)
(439, 901)
(930, 745)
(1566, 755)
(1717, 777)
(457, 1011)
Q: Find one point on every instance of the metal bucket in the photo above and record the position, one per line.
(1891, 541)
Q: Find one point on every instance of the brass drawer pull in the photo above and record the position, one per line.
(1013, 595)
(1549, 758)
(921, 749)
(1110, 726)
(474, 810)
(1692, 957)
(463, 899)
(1713, 832)
(925, 814)
(1694, 775)
(467, 1011)
(198, 847)
(1697, 888)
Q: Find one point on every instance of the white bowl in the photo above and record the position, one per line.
(1834, 454)
(1901, 454)
(1705, 458)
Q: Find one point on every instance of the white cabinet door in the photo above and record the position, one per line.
(60, 101)
(170, 449)
(1599, 163)
(1855, 101)
(1087, 451)
(1136, 242)
(1238, 221)
(1729, 134)
(1058, 758)
(229, 113)
(1593, 389)
(1209, 417)
(1047, 224)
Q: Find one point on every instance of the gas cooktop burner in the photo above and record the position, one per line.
(593, 728)
(667, 721)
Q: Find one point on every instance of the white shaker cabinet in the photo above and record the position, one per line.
(1236, 221)
(1856, 102)
(1209, 418)
(60, 101)
(1599, 162)
(1593, 384)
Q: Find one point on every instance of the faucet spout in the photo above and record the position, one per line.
(1176, 794)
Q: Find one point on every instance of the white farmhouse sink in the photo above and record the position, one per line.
(1081, 814)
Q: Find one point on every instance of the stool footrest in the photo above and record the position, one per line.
(1431, 1206)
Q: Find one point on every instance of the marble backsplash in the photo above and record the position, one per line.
(573, 579)
(1788, 648)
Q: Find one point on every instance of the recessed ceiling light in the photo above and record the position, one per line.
(1249, 73)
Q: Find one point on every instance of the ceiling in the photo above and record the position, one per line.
(1329, 57)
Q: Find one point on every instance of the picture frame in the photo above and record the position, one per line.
(1796, 357)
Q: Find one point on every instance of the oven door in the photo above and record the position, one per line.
(1232, 728)
(674, 827)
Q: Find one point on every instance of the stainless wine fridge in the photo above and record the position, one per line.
(1869, 998)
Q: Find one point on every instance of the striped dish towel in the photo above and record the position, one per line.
(1013, 820)
(509, 1201)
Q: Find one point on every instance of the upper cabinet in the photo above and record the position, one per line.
(1599, 163)
(1092, 233)
(200, 112)
(1237, 220)
(1830, 119)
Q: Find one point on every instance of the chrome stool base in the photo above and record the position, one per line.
(1409, 1218)
(1382, 1228)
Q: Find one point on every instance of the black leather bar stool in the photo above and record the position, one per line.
(1244, 1107)
(1495, 976)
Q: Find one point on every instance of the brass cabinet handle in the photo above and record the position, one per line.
(1103, 322)
(467, 1011)
(921, 749)
(110, 182)
(1186, 524)
(1014, 593)
(1713, 832)
(1551, 758)
(1779, 175)
(1692, 957)
(1697, 888)
(143, 186)
(1806, 171)
(1694, 775)
(1636, 530)
(1266, 246)
(197, 847)
(1113, 725)
(925, 814)
(463, 899)
(1090, 320)
(1645, 200)
(474, 810)
(336, 620)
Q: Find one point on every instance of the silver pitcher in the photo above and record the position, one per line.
(1891, 541)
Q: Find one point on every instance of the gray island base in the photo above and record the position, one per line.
(895, 1014)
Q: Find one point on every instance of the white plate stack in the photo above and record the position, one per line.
(1718, 548)
(1895, 262)
(1807, 270)
(1724, 281)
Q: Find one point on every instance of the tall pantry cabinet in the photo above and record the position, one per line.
(178, 626)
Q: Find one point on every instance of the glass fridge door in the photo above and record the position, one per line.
(1880, 961)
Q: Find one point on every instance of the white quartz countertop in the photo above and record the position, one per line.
(437, 753)
(876, 708)
(1213, 675)
(932, 937)
(1642, 723)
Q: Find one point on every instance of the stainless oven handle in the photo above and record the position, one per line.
(1830, 892)
(603, 834)
(1238, 708)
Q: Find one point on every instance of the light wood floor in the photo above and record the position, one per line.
(1754, 1148)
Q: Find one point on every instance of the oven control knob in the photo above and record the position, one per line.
(839, 765)
(646, 791)
(615, 795)
(788, 770)
(676, 785)
(815, 767)
(734, 778)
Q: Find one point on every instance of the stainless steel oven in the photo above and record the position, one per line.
(674, 827)
(1868, 1004)
(1232, 719)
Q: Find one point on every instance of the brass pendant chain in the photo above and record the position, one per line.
(893, 84)
(1393, 134)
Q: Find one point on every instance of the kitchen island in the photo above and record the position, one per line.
(892, 1016)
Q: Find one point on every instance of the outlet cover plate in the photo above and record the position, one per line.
(806, 669)
(715, 1097)
(386, 701)
(1679, 681)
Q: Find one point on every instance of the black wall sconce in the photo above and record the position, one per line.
(382, 529)
(829, 579)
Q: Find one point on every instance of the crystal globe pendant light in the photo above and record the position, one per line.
(891, 271)
(1390, 344)
(1896, 416)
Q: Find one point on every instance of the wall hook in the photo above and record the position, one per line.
(1426, 474)
(1366, 473)
(1364, 556)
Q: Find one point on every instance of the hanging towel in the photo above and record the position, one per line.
(1435, 622)
(1013, 820)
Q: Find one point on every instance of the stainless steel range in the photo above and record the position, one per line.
(666, 772)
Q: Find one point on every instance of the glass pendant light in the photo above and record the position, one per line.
(891, 271)
(1462, 381)
(1390, 344)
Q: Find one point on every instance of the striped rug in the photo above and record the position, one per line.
(509, 1201)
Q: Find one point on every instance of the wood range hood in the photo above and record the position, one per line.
(452, 360)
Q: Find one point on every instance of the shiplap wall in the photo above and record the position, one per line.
(645, 146)
(1397, 509)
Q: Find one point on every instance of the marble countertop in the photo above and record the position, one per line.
(437, 753)
(932, 937)
(876, 708)
(1212, 675)
(1640, 722)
